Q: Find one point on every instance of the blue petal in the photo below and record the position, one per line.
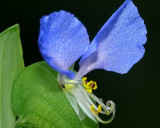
(119, 43)
(62, 40)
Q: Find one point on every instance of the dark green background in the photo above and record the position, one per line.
(136, 94)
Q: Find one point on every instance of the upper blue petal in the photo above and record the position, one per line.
(62, 40)
(119, 43)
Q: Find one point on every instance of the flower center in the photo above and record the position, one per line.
(80, 93)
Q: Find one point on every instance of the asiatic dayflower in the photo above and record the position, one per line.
(117, 47)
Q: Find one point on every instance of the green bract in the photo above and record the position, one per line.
(39, 101)
(11, 63)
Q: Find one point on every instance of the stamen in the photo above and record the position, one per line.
(98, 110)
(81, 91)
(109, 108)
(89, 85)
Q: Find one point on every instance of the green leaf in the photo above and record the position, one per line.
(45, 65)
(39, 101)
(88, 123)
(11, 63)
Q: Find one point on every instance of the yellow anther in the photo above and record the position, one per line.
(89, 85)
(92, 84)
(98, 110)
(84, 81)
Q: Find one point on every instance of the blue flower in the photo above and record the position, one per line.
(118, 45)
